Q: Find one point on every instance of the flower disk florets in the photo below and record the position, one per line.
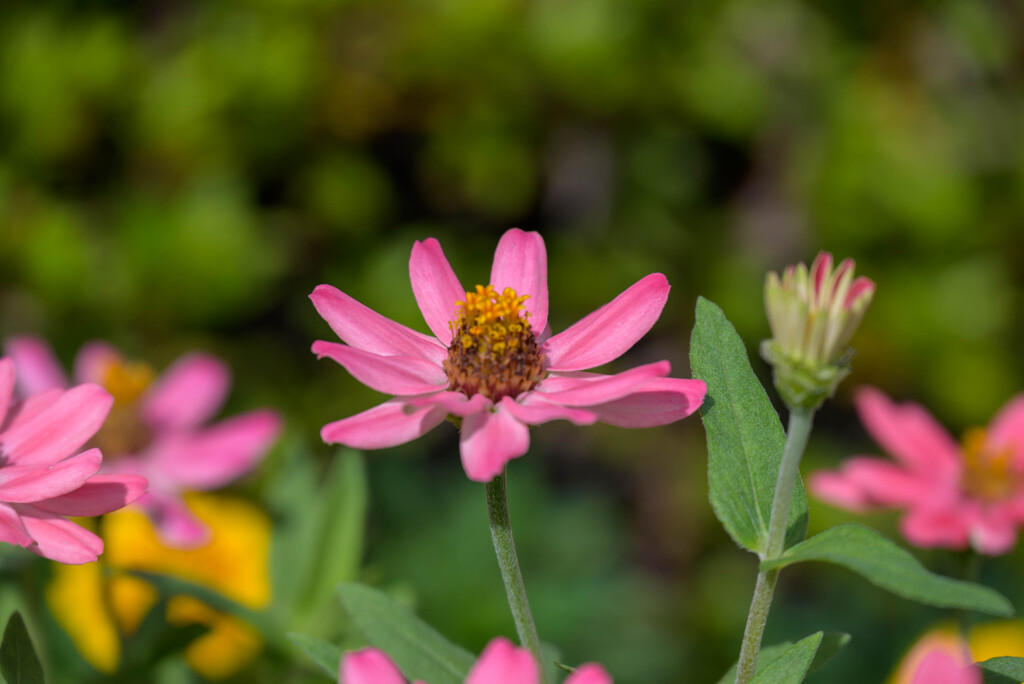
(493, 351)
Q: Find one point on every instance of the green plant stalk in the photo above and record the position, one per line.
(800, 421)
(508, 561)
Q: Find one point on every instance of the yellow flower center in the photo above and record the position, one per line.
(494, 351)
(988, 473)
(124, 432)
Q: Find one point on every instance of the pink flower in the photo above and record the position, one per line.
(41, 481)
(493, 362)
(500, 663)
(939, 657)
(157, 426)
(954, 495)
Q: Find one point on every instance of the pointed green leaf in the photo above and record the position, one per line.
(1003, 670)
(831, 644)
(745, 437)
(18, 661)
(886, 565)
(324, 654)
(416, 647)
(791, 667)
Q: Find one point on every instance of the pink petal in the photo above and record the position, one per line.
(455, 403)
(607, 333)
(188, 393)
(590, 673)
(872, 482)
(994, 531)
(38, 368)
(489, 440)
(93, 361)
(12, 530)
(659, 402)
(908, 432)
(59, 429)
(386, 425)
(25, 484)
(22, 412)
(59, 539)
(177, 525)
(216, 455)
(363, 328)
(503, 663)
(368, 666)
(398, 375)
(521, 262)
(939, 667)
(599, 389)
(1007, 428)
(943, 527)
(533, 410)
(435, 287)
(100, 494)
(862, 286)
(6, 386)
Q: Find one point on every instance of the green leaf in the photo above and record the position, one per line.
(1003, 670)
(745, 437)
(886, 565)
(831, 644)
(324, 654)
(18, 661)
(416, 647)
(792, 666)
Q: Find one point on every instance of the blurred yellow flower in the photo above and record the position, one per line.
(97, 603)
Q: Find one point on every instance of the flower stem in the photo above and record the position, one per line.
(800, 421)
(505, 550)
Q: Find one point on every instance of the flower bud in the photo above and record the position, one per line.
(812, 315)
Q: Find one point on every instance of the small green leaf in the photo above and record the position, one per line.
(745, 437)
(1003, 670)
(831, 644)
(886, 565)
(18, 661)
(792, 666)
(324, 654)
(416, 647)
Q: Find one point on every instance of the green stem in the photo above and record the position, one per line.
(800, 421)
(971, 562)
(505, 550)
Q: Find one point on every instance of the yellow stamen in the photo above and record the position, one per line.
(988, 472)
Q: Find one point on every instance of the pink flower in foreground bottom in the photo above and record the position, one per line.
(158, 425)
(500, 663)
(954, 495)
(493, 362)
(940, 657)
(42, 480)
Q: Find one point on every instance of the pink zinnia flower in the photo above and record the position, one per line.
(41, 481)
(500, 663)
(939, 657)
(158, 425)
(954, 495)
(493, 362)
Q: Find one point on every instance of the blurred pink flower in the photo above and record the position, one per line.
(41, 481)
(954, 495)
(157, 426)
(500, 663)
(939, 657)
(493, 362)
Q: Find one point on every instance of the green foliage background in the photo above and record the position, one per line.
(180, 175)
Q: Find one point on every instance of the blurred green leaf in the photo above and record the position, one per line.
(745, 437)
(326, 655)
(19, 663)
(886, 565)
(416, 647)
(1003, 670)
